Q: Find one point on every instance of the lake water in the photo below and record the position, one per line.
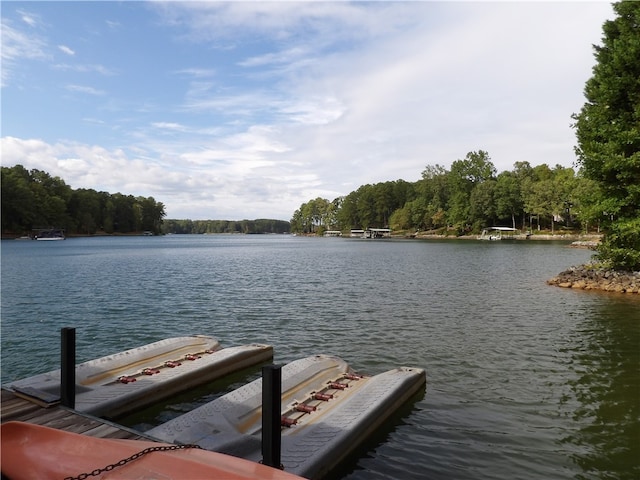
(524, 380)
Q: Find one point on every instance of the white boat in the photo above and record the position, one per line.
(327, 411)
(121, 383)
(498, 233)
(371, 233)
(377, 233)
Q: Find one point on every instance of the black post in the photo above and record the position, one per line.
(271, 394)
(68, 367)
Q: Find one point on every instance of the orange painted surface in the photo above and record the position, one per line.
(35, 452)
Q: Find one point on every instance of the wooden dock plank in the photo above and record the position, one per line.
(16, 407)
(19, 412)
(13, 408)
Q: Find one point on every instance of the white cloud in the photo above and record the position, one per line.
(85, 89)
(113, 24)
(313, 111)
(197, 72)
(282, 57)
(30, 19)
(481, 83)
(85, 68)
(67, 50)
(16, 46)
(227, 22)
(416, 92)
(169, 126)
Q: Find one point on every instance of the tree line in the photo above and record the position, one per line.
(34, 199)
(462, 200)
(261, 225)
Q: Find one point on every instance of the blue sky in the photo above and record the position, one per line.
(234, 110)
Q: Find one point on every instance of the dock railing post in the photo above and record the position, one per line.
(68, 367)
(271, 394)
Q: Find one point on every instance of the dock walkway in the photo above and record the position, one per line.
(14, 408)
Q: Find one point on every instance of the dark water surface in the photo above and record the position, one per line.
(525, 381)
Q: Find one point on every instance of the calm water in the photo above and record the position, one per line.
(525, 381)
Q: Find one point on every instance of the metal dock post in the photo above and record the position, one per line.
(271, 412)
(68, 367)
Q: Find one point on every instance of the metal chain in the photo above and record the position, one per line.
(133, 457)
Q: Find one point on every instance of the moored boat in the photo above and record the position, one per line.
(33, 452)
(121, 383)
(49, 234)
(502, 233)
(327, 411)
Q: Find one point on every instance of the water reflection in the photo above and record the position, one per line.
(355, 467)
(604, 397)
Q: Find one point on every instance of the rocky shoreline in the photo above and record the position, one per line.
(590, 277)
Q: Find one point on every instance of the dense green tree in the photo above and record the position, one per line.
(464, 176)
(524, 173)
(419, 214)
(261, 225)
(347, 216)
(548, 194)
(469, 199)
(34, 199)
(508, 197)
(401, 218)
(315, 214)
(151, 214)
(565, 185)
(587, 205)
(85, 207)
(297, 222)
(432, 196)
(608, 134)
(482, 204)
(124, 217)
(365, 206)
(109, 215)
(18, 200)
(51, 197)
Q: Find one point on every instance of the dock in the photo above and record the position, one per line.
(31, 405)
(14, 408)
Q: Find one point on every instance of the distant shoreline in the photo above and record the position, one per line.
(586, 240)
(582, 240)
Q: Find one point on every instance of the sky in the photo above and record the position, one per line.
(244, 110)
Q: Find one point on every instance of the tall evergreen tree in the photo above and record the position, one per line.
(608, 134)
